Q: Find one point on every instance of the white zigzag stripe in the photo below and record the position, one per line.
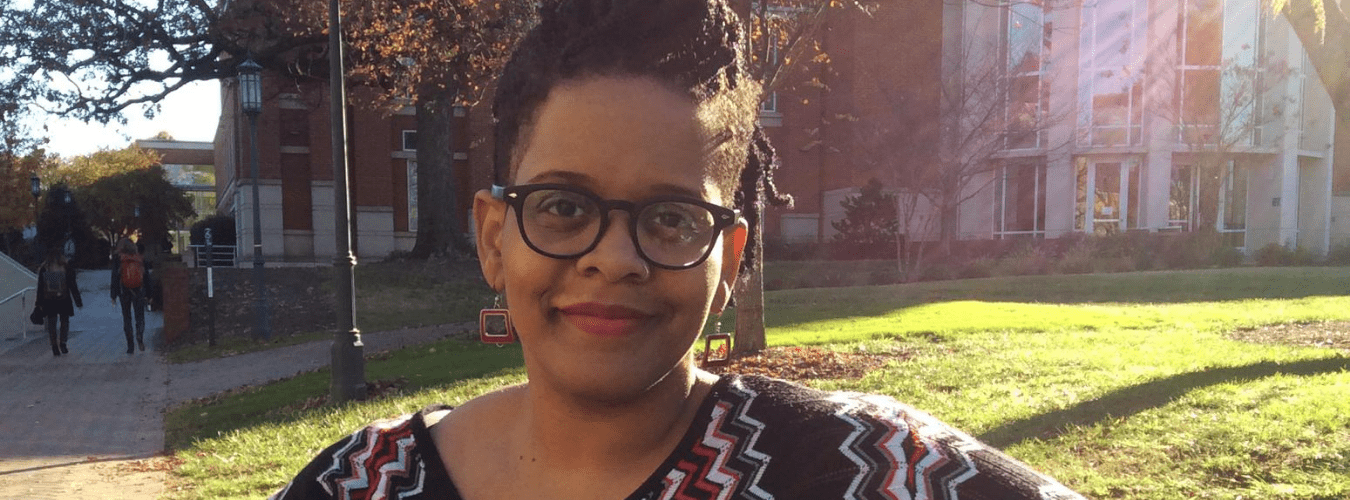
(673, 481)
(333, 469)
(761, 459)
(360, 479)
(894, 447)
(396, 466)
(848, 404)
(718, 472)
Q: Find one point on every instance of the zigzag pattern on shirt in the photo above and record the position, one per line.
(374, 463)
(724, 463)
(893, 460)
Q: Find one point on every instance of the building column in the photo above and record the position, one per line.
(273, 238)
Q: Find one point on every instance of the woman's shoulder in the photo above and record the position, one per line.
(390, 455)
(830, 442)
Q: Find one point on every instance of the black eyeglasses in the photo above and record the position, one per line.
(565, 222)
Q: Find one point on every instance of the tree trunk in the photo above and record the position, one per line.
(439, 230)
(749, 296)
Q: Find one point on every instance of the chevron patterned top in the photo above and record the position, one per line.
(753, 438)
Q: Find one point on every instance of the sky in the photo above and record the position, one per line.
(189, 114)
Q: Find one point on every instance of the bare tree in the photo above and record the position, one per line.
(783, 36)
(1221, 117)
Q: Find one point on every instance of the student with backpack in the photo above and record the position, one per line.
(129, 278)
(56, 288)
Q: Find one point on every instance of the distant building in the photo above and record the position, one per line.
(1153, 116)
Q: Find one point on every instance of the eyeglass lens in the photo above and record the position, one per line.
(567, 224)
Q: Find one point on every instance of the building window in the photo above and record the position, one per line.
(410, 140)
(1111, 63)
(1107, 196)
(412, 195)
(1185, 194)
(770, 103)
(1019, 200)
(800, 228)
(1219, 75)
(1233, 205)
(1026, 51)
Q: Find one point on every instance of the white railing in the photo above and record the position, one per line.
(22, 319)
(221, 255)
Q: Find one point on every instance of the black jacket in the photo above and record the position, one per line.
(59, 305)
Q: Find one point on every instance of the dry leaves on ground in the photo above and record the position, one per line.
(802, 363)
(1325, 334)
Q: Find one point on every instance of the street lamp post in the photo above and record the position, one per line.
(250, 102)
(348, 359)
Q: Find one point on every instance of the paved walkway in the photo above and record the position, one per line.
(98, 403)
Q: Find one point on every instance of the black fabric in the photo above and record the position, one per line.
(61, 305)
(753, 438)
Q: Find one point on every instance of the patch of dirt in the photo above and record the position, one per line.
(1325, 334)
(799, 364)
(298, 299)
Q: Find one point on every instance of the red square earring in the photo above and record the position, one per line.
(494, 325)
(720, 355)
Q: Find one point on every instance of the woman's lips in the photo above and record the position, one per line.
(603, 320)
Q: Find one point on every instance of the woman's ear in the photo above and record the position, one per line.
(488, 216)
(732, 252)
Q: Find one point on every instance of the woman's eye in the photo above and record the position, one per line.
(563, 208)
(563, 205)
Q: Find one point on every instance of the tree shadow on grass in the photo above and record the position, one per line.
(1132, 400)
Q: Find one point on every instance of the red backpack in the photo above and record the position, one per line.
(133, 270)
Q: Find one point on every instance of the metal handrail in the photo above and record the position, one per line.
(17, 294)
(23, 327)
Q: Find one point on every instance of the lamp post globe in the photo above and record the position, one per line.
(35, 186)
(250, 102)
(250, 87)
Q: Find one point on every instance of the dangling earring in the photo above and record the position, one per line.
(722, 351)
(494, 324)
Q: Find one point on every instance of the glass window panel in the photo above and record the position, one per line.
(1024, 38)
(1080, 205)
(1203, 32)
(1179, 205)
(1235, 198)
(1024, 109)
(1200, 106)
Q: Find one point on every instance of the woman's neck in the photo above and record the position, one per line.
(558, 430)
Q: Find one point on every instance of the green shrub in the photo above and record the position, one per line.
(1197, 249)
(1339, 255)
(1122, 264)
(1273, 254)
(1226, 256)
(1077, 259)
(1027, 260)
(1302, 257)
(982, 267)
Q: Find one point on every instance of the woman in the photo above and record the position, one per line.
(630, 162)
(129, 277)
(56, 289)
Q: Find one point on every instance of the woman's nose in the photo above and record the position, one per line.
(616, 255)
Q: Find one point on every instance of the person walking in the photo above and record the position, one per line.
(56, 290)
(129, 277)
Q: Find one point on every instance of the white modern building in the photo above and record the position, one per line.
(1155, 115)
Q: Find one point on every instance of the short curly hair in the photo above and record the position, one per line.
(692, 46)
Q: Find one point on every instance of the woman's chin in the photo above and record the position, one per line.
(617, 385)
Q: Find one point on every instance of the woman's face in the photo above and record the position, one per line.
(608, 325)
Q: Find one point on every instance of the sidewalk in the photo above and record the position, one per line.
(62, 416)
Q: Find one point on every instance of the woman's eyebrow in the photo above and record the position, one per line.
(564, 176)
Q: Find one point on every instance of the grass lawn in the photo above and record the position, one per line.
(1120, 385)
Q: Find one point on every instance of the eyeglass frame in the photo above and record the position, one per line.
(514, 197)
